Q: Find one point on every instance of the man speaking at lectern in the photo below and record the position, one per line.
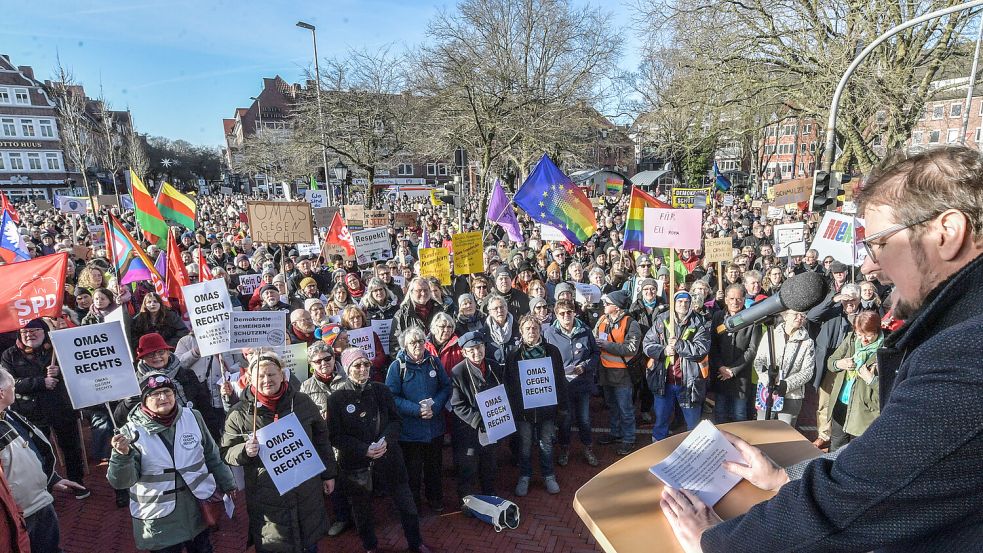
(913, 482)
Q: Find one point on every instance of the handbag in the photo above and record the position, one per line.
(500, 513)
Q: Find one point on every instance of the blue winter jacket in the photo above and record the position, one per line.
(411, 382)
(578, 348)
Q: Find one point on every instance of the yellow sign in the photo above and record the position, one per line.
(686, 197)
(436, 262)
(469, 258)
(433, 198)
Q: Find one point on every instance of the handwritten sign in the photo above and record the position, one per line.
(372, 245)
(728, 200)
(672, 228)
(280, 222)
(317, 198)
(436, 262)
(249, 283)
(288, 453)
(588, 294)
(469, 257)
(718, 249)
(790, 239)
(354, 216)
(756, 204)
(294, 359)
(550, 233)
(536, 378)
(792, 192)
(405, 219)
(95, 363)
(496, 413)
(384, 329)
(376, 218)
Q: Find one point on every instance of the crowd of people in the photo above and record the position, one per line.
(644, 351)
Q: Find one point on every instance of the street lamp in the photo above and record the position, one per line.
(341, 173)
(259, 107)
(320, 112)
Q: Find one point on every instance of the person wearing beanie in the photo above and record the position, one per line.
(554, 276)
(541, 310)
(469, 318)
(517, 300)
(270, 296)
(162, 433)
(643, 271)
(365, 425)
(295, 520)
(619, 339)
(308, 289)
(679, 348)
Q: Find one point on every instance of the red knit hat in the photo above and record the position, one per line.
(149, 343)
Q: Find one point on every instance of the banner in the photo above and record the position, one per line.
(469, 257)
(792, 192)
(405, 219)
(836, 236)
(496, 413)
(95, 363)
(288, 454)
(209, 308)
(790, 239)
(673, 228)
(249, 283)
(258, 329)
(536, 378)
(280, 222)
(317, 198)
(686, 197)
(718, 250)
(32, 289)
(372, 245)
(376, 218)
(294, 359)
(384, 329)
(363, 339)
(436, 262)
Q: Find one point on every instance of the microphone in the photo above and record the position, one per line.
(802, 292)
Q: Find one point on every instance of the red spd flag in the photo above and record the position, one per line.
(32, 289)
(338, 235)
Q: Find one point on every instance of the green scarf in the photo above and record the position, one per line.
(537, 351)
(861, 355)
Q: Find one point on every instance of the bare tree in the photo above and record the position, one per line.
(112, 147)
(75, 122)
(278, 155)
(136, 152)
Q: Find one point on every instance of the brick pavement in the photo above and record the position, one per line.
(548, 523)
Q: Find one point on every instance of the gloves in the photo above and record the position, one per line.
(781, 388)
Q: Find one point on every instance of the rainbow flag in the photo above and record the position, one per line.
(719, 180)
(551, 198)
(176, 207)
(147, 215)
(636, 216)
(614, 186)
(132, 264)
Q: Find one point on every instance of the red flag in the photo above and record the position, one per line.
(204, 273)
(338, 235)
(7, 206)
(32, 289)
(177, 275)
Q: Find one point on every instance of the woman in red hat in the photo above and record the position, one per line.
(154, 356)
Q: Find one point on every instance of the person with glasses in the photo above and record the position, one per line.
(353, 318)
(854, 395)
(380, 302)
(417, 310)
(731, 357)
(541, 310)
(169, 462)
(385, 275)
(643, 270)
(469, 318)
(443, 341)
(502, 331)
(581, 356)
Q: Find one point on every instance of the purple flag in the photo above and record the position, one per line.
(500, 212)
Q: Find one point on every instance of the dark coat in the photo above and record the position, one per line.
(579, 348)
(911, 483)
(736, 351)
(295, 520)
(518, 301)
(33, 400)
(831, 334)
(373, 415)
(465, 386)
(513, 386)
(170, 327)
(406, 318)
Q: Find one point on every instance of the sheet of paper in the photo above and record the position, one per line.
(696, 464)
(230, 505)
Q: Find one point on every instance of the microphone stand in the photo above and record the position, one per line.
(772, 369)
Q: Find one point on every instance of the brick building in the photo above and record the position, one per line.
(788, 149)
(941, 121)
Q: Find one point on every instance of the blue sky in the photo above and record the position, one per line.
(181, 66)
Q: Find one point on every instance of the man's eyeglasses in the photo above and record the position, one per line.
(879, 239)
(563, 313)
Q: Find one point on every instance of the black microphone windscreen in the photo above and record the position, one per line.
(804, 291)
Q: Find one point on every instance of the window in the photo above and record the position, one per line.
(27, 126)
(956, 109)
(47, 128)
(916, 137)
(21, 97)
(2, 164)
(807, 128)
(404, 169)
(812, 147)
(442, 170)
(431, 169)
(938, 112)
(16, 162)
(4, 95)
(9, 128)
(952, 136)
(803, 148)
(34, 162)
(54, 164)
(933, 137)
(978, 136)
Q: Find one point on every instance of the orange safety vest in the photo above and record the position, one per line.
(617, 335)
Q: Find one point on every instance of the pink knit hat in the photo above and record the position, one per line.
(351, 355)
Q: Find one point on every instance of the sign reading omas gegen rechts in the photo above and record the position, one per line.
(95, 363)
(280, 222)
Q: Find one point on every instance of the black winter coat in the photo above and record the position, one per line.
(405, 318)
(514, 387)
(33, 400)
(170, 327)
(736, 351)
(360, 415)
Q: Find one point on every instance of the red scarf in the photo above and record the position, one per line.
(356, 291)
(325, 379)
(166, 420)
(270, 402)
(423, 311)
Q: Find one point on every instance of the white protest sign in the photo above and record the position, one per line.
(249, 283)
(317, 198)
(372, 245)
(550, 233)
(119, 315)
(384, 329)
(310, 249)
(790, 239)
(536, 378)
(587, 293)
(225, 190)
(672, 228)
(400, 280)
(95, 363)
(836, 236)
(728, 200)
(258, 329)
(496, 413)
(775, 212)
(700, 202)
(364, 339)
(288, 454)
(209, 309)
(294, 359)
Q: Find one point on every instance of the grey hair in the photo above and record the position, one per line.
(319, 347)
(408, 300)
(6, 379)
(751, 275)
(413, 331)
(495, 298)
(438, 318)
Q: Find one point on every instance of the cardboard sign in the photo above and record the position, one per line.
(756, 204)
(317, 198)
(728, 200)
(790, 239)
(280, 222)
(372, 245)
(354, 216)
(294, 359)
(587, 293)
(384, 329)
(775, 212)
(792, 192)
(288, 454)
(496, 413)
(673, 228)
(209, 308)
(376, 218)
(436, 262)
(718, 250)
(839, 235)
(553, 234)
(363, 339)
(249, 283)
(323, 216)
(469, 257)
(405, 219)
(95, 363)
(258, 329)
(536, 378)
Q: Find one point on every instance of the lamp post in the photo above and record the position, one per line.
(320, 109)
(341, 173)
(259, 108)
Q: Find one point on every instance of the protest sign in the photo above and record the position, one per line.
(700, 202)
(73, 205)
(43, 205)
(249, 283)
(718, 249)
(587, 293)
(550, 233)
(323, 216)
(673, 228)
(258, 329)
(120, 314)
(792, 192)
(536, 378)
(95, 363)
(839, 235)
(288, 454)
(850, 207)
(363, 339)
(105, 200)
(354, 216)
(97, 235)
(436, 262)
(686, 197)
(775, 212)
(372, 245)
(294, 359)
(310, 249)
(225, 190)
(469, 257)
(209, 308)
(405, 219)
(400, 281)
(384, 329)
(280, 222)
(756, 204)
(790, 239)
(496, 413)
(728, 200)
(376, 218)
(317, 198)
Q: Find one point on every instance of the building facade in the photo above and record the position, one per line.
(788, 149)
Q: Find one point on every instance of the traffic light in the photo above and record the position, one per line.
(826, 190)
(452, 192)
